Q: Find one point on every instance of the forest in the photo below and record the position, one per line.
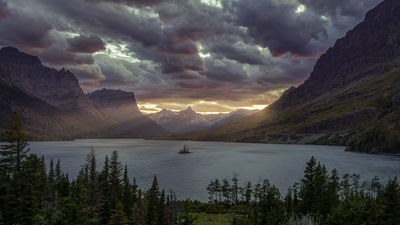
(33, 191)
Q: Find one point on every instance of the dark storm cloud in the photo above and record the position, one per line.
(276, 25)
(3, 9)
(114, 21)
(56, 56)
(239, 52)
(86, 44)
(131, 2)
(23, 29)
(353, 8)
(225, 70)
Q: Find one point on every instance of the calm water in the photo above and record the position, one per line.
(188, 175)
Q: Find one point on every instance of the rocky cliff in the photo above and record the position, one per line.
(58, 88)
(122, 108)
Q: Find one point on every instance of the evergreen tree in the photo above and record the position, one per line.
(152, 198)
(161, 209)
(104, 181)
(307, 188)
(115, 179)
(391, 200)
(118, 216)
(140, 215)
(15, 150)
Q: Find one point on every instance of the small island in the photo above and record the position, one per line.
(184, 150)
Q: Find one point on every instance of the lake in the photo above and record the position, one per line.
(189, 174)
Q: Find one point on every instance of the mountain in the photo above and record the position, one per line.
(52, 105)
(188, 120)
(351, 97)
(58, 88)
(122, 107)
(182, 121)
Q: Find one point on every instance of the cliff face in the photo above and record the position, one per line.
(122, 107)
(58, 88)
(117, 103)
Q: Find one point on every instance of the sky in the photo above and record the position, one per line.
(213, 55)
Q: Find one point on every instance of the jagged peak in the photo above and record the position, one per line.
(189, 109)
(9, 53)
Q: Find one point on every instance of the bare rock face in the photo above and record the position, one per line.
(117, 103)
(123, 109)
(58, 88)
(370, 49)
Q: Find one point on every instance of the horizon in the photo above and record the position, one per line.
(217, 56)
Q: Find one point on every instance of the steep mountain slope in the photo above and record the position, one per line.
(351, 95)
(41, 120)
(58, 88)
(122, 107)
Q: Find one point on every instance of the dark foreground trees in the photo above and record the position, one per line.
(320, 198)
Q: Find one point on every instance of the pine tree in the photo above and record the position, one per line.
(140, 215)
(115, 179)
(92, 183)
(391, 199)
(307, 189)
(104, 181)
(152, 198)
(15, 150)
(118, 216)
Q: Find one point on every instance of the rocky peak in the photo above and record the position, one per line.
(118, 103)
(112, 98)
(371, 48)
(13, 56)
(188, 112)
(58, 88)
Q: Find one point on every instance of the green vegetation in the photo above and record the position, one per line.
(30, 193)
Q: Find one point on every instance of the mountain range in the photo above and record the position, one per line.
(351, 97)
(188, 120)
(52, 105)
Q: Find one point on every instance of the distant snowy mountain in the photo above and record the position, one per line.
(188, 120)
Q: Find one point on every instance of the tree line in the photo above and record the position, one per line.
(33, 193)
(319, 198)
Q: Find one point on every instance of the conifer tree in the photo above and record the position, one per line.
(15, 149)
(152, 202)
(118, 216)
(115, 179)
(140, 215)
(307, 188)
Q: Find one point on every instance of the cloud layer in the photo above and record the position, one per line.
(234, 53)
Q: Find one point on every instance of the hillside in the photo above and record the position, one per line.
(351, 97)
